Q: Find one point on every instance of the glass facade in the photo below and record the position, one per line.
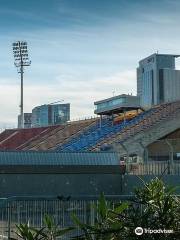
(110, 103)
(27, 120)
(150, 79)
(46, 115)
(60, 113)
(40, 116)
(147, 87)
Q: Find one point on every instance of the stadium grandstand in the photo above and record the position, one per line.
(95, 134)
(122, 124)
(41, 138)
(62, 168)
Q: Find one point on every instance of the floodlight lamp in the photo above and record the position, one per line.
(24, 47)
(15, 44)
(20, 52)
(23, 43)
(17, 64)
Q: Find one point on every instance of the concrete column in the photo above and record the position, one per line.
(124, 116)
(145, 152)
(127, 163)
(100, 121)
(171, 157)
(112, 118)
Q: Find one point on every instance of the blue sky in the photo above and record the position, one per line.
(81, 50)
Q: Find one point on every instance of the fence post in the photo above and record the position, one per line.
(127, 160)
(171, 161)
(9, 222)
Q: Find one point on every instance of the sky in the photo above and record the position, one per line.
(81, 50)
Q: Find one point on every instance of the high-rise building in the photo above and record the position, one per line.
(27, 120)
(51, 114)
(157, 80)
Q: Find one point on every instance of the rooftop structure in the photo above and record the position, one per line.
(116, 104)
(33, 158)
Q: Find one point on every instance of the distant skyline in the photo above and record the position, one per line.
(81, 50)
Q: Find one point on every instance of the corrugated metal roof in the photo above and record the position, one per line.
(62, 158)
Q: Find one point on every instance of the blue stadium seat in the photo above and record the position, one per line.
(95, 134)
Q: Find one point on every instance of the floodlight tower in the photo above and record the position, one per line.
(21, 60)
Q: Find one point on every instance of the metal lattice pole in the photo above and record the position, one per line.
(21, 60)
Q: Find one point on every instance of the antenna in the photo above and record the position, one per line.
(56, 102)
(21, 60)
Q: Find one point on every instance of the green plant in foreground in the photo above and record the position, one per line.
(28, 233)
(155, 206)
(107, 224)
(51, 231)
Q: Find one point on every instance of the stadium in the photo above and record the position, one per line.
(62, 168)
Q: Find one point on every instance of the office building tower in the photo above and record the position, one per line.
(27, 120)
(157, 80)
(51, 114)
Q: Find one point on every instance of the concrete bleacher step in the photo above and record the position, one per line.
(156, 115)
(88, 135)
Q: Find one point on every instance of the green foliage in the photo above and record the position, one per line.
(155, 206)
(51, 231)
(28, 233)
(107, 225)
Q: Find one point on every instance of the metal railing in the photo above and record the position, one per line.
(32, 209)
(153, 168)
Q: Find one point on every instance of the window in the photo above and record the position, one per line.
(111, 103)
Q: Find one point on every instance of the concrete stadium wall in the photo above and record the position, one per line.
(130, 182)
(137, 143)
(74, 184)
(59, 184)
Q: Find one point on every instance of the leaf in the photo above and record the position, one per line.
(121, 207)
(63, 231)
(77, 221)
(48, 221)
(102, 207)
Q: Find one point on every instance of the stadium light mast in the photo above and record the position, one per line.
(21, 60)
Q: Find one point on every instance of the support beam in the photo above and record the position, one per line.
(171, 157)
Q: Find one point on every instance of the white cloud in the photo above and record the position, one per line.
(83, 64)
(80, 93)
